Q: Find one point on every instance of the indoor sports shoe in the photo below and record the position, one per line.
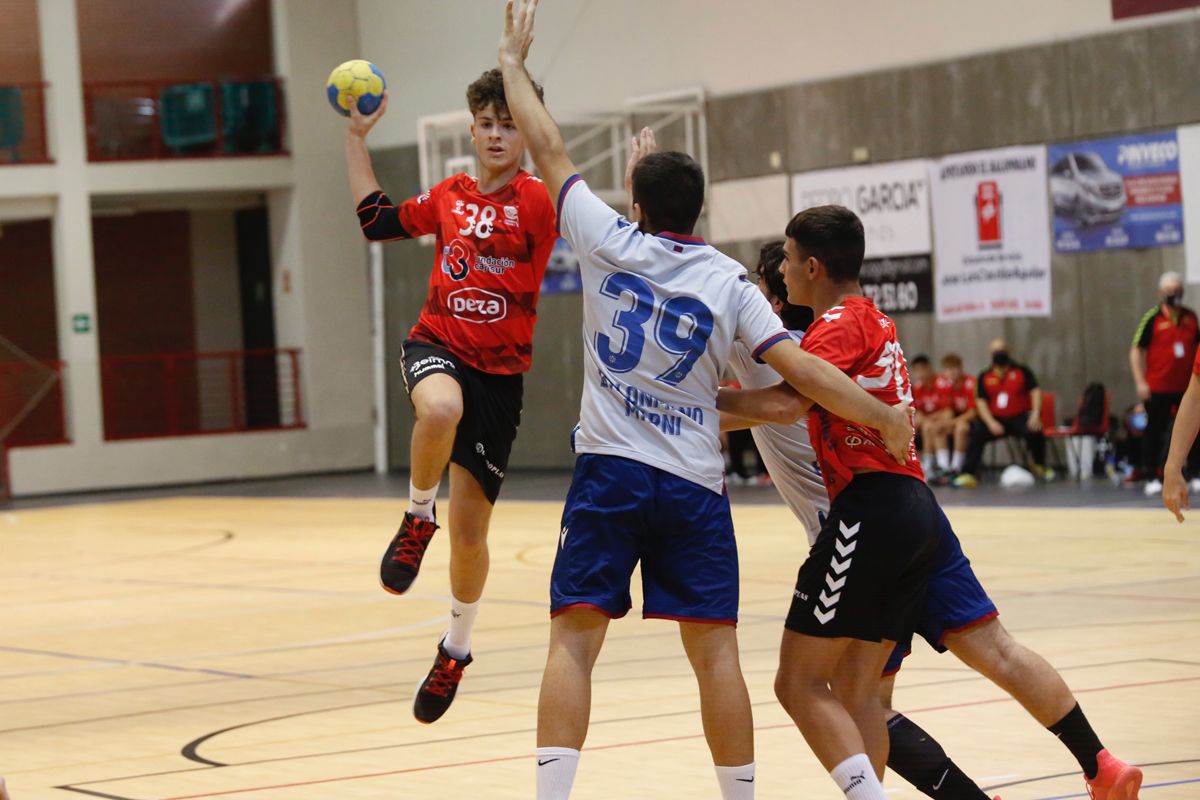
(966, 481)
(1152, 488)
(402, 561)
(436, 692)
(1115, 780)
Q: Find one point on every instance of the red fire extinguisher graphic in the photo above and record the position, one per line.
(987, 214)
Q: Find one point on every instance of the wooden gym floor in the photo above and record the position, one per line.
(202, 647)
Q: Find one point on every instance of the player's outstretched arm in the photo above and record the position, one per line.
(745, 408)
(830, 388)
(1187, 424)
(358, 159)
(537, 127)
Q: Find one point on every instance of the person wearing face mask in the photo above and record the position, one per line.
(1164, 347)
(1009, 403)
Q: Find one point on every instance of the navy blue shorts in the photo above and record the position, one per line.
(620, 512)
(954, 602)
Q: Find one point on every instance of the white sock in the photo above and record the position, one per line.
(420, 501)
(943, 460)
(737, 783)
(956, 463)
(462, 620)
(856, 777)
(555, 772)
(926, 462)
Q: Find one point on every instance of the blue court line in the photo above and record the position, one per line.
(1147, 786)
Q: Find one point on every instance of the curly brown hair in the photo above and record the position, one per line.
(488, 90)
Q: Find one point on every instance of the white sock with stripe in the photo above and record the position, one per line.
(737, 783)
(556, 772)
(420, 501)
(856, 778)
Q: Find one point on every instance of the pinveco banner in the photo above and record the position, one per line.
(1115, 193)
(892, 200)
(899, 284)
(991, 240)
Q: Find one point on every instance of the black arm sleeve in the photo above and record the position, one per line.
(980, 392)
(380, 218)
(1030, 379)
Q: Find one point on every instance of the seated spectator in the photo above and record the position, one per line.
(950, 425)
(925, 404)
(1009, 403)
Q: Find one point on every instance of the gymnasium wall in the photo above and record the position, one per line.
(20, 59)
(594, 54)
(1042, 93)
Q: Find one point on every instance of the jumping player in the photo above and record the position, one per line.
(958, 615)
(465, 358)
(661, 312)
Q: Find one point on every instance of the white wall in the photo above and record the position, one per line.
(319, 269)
(593, 54)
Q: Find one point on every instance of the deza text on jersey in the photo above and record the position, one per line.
(638, 404)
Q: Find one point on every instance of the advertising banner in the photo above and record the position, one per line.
(562, 271)
(899, 285)
(1116, 193)
(991, 239)
(1189, 170)
(892, 200)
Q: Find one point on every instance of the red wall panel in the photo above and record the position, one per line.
(20, 51)
(176, 40)
(1137, 8)
(145, 305)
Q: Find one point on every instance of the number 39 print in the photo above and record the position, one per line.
(688, 346)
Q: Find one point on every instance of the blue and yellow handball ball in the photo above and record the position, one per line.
(359, 78)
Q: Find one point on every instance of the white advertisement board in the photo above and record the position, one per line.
(991, 234)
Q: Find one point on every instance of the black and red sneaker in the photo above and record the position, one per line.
(436, 692)
(402, 561)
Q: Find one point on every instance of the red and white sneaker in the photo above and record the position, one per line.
(1115, 780)
(435, 694)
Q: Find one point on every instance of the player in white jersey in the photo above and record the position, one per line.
(661, 313)
(785, 449)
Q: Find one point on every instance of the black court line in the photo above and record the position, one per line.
(122, 662)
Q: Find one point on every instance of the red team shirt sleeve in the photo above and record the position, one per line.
(840, 345)
(384, 221)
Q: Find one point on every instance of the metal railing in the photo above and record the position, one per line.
(190, 394)
(31, 403)
(147, 120)
(23, 123)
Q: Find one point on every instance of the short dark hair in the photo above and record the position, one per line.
(770, 256)
(834, 236)
(488, 90)
(952, 360)
(918, 360)
(669, 188)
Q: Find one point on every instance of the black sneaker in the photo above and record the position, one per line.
(436, 692)
(402, 561)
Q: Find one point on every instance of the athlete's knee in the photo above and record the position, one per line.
(468, 539)
(440, 410)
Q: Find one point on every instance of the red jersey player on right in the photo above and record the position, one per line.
(887, 563)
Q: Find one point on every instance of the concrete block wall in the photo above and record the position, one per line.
(1137, 79)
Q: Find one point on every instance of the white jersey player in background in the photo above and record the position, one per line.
(662, 310)
(785, 449)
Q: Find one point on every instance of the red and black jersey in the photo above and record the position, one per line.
(1170, 347)
(492, 251)
(1008, 391)
(860, 340)
(960, 397)
(926, 398)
